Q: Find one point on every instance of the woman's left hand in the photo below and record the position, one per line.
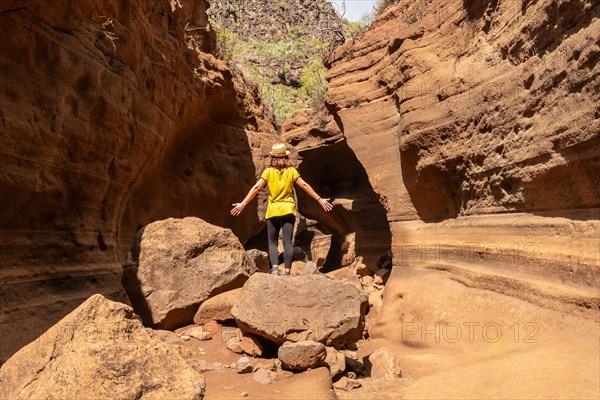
(237, 209)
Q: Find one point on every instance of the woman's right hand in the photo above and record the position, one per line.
(237, 209)
(327, 206)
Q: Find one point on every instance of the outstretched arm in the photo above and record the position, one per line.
(327, 206)
(239, 207)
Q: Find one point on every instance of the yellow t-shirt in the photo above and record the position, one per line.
(281, 191)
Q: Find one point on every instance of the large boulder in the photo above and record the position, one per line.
(297, 308)
(176, 264)
(100, 350)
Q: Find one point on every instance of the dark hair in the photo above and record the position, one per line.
(280, 162)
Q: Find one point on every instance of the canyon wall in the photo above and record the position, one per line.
(478, 128)
(113, 114)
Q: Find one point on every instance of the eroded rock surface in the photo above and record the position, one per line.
(100, 350)
(114, 114)
(476, 125)
(176, 264)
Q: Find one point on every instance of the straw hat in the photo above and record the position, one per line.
(279, 150)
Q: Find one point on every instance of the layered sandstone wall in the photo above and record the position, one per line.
(478, 127)
(113, 114)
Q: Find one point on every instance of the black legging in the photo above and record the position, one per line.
(274, 225)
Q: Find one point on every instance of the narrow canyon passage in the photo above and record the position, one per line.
(458, 142)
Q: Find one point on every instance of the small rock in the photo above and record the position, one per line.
(262, 376)
(164, 335)
(185, 337)
(251, 346)
(310, 268)
(269, 364)
(347, 384)
(243, 365)
(260, 258)
(234, 344)
(367, 280)
(197, 332)
(351, 375)
(218, 366)
(244, 394)
(335, 361)
(200, 365)
(301, 355)
(377, 280)
(384, 364)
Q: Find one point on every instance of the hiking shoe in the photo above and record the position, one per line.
(274, 271)
(287, 272)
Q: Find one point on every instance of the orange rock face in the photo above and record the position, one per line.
(113, 114)
(477, 125)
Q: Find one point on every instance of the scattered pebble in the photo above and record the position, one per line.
(243, 365)
(244, 394)
(347, 384)
(262, 376)
(185, 337)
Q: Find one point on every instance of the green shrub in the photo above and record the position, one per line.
(263, 62)
(227, 43)
(313, 81)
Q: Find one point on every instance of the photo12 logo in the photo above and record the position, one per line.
(453, 252)
(471, 332)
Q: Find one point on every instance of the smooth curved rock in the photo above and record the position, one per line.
(217, 308)
(176, 264)
(479, 137)
(299, 308)
(100, 350)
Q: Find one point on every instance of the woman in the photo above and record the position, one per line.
(280, 178)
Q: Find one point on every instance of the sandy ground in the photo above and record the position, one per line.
(453, 342)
